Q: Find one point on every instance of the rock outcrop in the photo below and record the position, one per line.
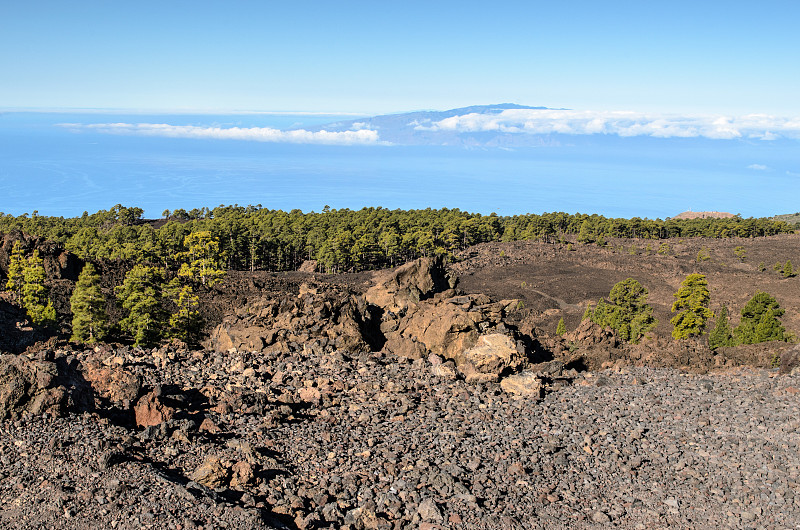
(28, 385)
(320, 318)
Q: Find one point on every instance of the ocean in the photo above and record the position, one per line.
(64, 170)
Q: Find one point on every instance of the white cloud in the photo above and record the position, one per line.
(758, 167)
(257, 134)
(622, 123)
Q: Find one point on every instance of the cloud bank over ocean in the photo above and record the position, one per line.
(495, 126)
(621, 123)
(256, 134)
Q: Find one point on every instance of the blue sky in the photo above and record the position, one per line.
(375, 57)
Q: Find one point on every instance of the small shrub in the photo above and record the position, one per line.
(761, 267)
(703, 255)
(775, 362)
(561, 328)
(788, 271)
(740, 252)
(664, 249)
(777, 266)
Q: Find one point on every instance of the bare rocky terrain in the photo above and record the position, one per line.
(423, 397)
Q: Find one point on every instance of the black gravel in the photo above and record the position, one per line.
(381, 442)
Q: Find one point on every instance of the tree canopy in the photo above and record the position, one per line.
(252, 237)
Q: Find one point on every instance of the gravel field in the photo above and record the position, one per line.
(378, 441)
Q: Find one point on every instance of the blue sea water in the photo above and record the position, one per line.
(60, 171)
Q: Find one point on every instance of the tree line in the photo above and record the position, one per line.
(256, 238)
(145, 296)
(627, 312)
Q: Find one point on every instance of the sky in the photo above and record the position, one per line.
(368, 57)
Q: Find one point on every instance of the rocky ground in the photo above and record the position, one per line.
(378, 441)
(424, 397)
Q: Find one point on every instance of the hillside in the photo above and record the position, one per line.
(431, 396)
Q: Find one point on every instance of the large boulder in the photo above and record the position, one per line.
(468, 329)
(151, 411)
(523, 384)
(790, 361)
(28, 385)
(112, 382)
(395, 290)
(328, 318)
(491, 356)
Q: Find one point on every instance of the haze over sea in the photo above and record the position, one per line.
(58, 164)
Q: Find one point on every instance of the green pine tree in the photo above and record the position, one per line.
(722, 334)
(561, 328)
(691, 304)
(141, 297)
(34, 293)
(185, 322)
(788, 271)
(759, 321)
(586, 233)
(203, 259)
(88, 305)
(626, 311)
(16, 270)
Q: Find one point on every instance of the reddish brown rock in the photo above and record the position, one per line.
(242, 474)
(397, 289)
(208, 426)
(151, 411)
(114, 383)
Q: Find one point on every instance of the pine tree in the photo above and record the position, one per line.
(88, 304)
(627, 310)
(691, 303)
(203, 259)
(16, 270)
(588, 313)
(141, 297)
(561, 328)
(788, 271)
(34, 293)
(586, 233)
(759, 321)
(722, 334)
(185, 322)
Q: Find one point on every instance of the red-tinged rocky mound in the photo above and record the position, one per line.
(704, 215)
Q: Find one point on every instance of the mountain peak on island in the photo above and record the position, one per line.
(414, 128)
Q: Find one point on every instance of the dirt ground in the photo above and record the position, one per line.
(556, 281)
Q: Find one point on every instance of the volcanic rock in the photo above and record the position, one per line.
(525, 383)
(150, 411)
(27, 385)
(395, 290)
